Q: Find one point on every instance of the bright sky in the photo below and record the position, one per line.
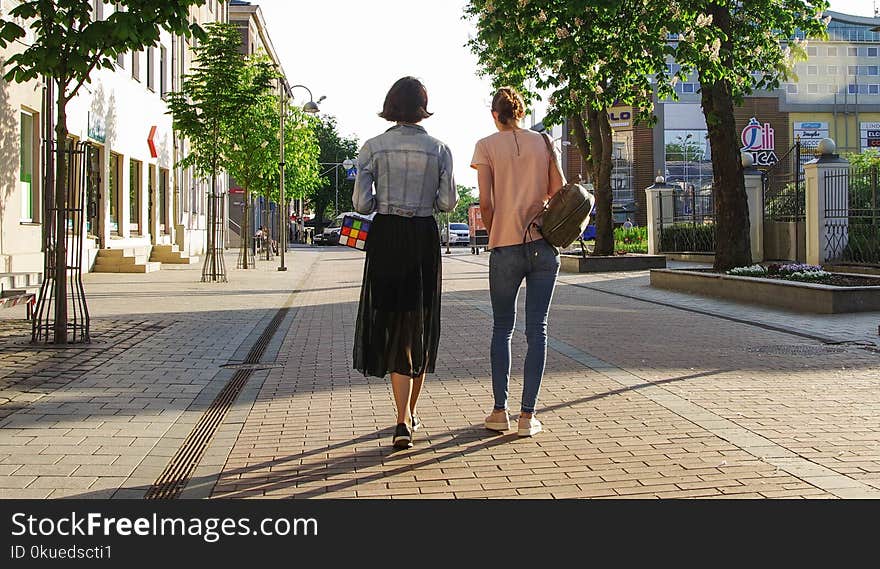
(352, 51)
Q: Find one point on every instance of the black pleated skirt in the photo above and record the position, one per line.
(398, 322)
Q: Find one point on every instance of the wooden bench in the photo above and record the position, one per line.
(8, 299)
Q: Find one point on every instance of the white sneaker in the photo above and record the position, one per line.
(493, 423)
(529, 428)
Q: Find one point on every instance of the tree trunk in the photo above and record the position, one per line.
(732, 243)
(61, 205)
(245, 255)
(595, 146)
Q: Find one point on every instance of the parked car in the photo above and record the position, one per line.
(460, 234)
(330, 236)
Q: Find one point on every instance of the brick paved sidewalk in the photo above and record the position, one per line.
(103, 420)
(639, 400)
(647, 394)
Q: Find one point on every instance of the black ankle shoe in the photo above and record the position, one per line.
(402, 436)
(416, 424)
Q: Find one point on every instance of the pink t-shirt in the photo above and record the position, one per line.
(524, 176)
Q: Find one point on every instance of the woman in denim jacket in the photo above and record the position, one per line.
(404, 176)
(517, 174)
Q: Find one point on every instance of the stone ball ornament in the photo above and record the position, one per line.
(747, 160)
(826, 147)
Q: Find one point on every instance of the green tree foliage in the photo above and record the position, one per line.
(68, 44)
(205, 109)
(736, 48)
(465, 200)
(591, 55)
(334, 148)
(251, 158)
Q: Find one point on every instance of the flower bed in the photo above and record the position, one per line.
(796, 287)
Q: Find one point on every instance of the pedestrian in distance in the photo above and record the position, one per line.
(517, 175)
(404, 176)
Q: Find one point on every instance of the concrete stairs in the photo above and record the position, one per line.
(170, 255)
(129, 260)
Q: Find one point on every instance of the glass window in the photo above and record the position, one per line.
(852, 51)
(874, 89)
(852, 70)
(163, 71)
(151, 69)
(811, 70)
(812, 88)
(872, 70)
(115, 190)
(791, 89)
(26, 174)
(688, 159)
(136, 65)
(851, 89)
(872, 52)
(832, 70)
(134, 195)
(863, 90)
(832, 52)
(688, 88)
(813, 51)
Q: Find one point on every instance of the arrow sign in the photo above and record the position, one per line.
(152, 143)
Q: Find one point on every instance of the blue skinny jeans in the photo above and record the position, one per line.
(537, 263)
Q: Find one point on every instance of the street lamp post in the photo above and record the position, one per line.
(311, 107)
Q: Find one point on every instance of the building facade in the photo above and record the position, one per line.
(835, 93)
(136, 197)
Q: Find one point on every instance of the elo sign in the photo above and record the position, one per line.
(870, 135)
(760, 141)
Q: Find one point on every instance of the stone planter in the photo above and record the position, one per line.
(797, 296)
(611, 263)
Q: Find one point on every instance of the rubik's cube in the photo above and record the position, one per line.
(354, 233)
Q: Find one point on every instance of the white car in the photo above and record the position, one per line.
(460, 234)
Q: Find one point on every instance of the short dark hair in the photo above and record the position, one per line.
(406, 101)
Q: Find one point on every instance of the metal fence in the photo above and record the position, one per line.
(691, 226)
(784, 196)
(852, 216)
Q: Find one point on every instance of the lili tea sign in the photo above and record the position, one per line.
(760, 141)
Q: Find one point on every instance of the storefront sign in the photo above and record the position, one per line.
(810, 133)
(760, 142)
(621, 118)
(870, 135)
(97, 128)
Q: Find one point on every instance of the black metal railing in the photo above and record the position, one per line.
(692, 227)
(852, 216)
(784, 195)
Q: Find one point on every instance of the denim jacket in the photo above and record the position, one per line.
(411, 172)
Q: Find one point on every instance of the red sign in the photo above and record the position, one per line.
(236, 190)
(151, 143)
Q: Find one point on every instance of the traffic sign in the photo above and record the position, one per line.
(351, 173)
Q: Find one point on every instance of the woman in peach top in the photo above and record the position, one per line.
(517, 174)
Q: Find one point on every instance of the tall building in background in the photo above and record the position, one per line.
(835, 93)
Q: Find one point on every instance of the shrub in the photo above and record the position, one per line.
(684, 237)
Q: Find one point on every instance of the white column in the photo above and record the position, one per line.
(827, 207)
(755, 193)
(661, 212)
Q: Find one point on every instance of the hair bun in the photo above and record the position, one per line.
(509, 105)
